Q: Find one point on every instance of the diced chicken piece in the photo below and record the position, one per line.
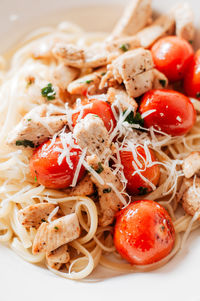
(123, 98)
(184, 19)
(164, 25)
(88, 83)
(64, 75)
(134, 69)
(57, 233)
(191, 197)
(191, 164)
(92, 57)
(160, 81)
(83, 188)
(35, 215)
(136, 16)
(58, 257)
(37, 126)
(109, 201)
(130, 64)
(91, 133)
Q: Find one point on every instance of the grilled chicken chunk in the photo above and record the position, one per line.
(184, 19)
(91, 133)
(35, 215)
(136, 16)
(88, 83)
(191, 196)
(108, 199)
(74, 56)
(58, 257)
(37, 126)
(134, 69)
(57, 233)
(191, 164)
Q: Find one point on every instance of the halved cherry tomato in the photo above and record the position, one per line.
(45, 167)
(144, 232)
(192, 77)
(172, 55)
(170, 111)
(100, 108)
(137, 185)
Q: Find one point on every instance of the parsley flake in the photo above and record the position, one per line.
(162, 82)
(25, 143)
(190, 41)
(137, 119)
(43, 220)
(103, 73)
(124, 47)
(142, 190)
(56, 228)
(89, 81)
(107, 190)
(48, 92)
(35, 178)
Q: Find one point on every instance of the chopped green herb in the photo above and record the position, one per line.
(107, 190)
(137, 119)
(124, 47)
(48, 92)
(198, 94)
(43, 220)
(103, 73)
(162, 82)
(100, 168)
(190, 41)
(29, 119)
(142, 190)
(89, 81)
(35, 178)
(56, 228)
(162, 228)
(25, 143)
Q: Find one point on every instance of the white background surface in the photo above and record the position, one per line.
(19, 280)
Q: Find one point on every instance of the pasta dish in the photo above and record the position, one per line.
(100, 139)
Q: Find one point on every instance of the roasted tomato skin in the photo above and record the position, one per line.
(44, 166)
(136, 184)
(100, 108)
(172, 56)
(144, 232)
(192, 77)
(173, 112)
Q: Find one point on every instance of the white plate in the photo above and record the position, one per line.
(19, 280)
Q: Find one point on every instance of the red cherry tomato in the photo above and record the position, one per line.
(137, 185)
(192, 77)
(172, 55)
(100, 108)
(44, 165)
(144, 232)
(173, 112)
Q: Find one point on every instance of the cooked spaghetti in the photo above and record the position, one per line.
(45, 82)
